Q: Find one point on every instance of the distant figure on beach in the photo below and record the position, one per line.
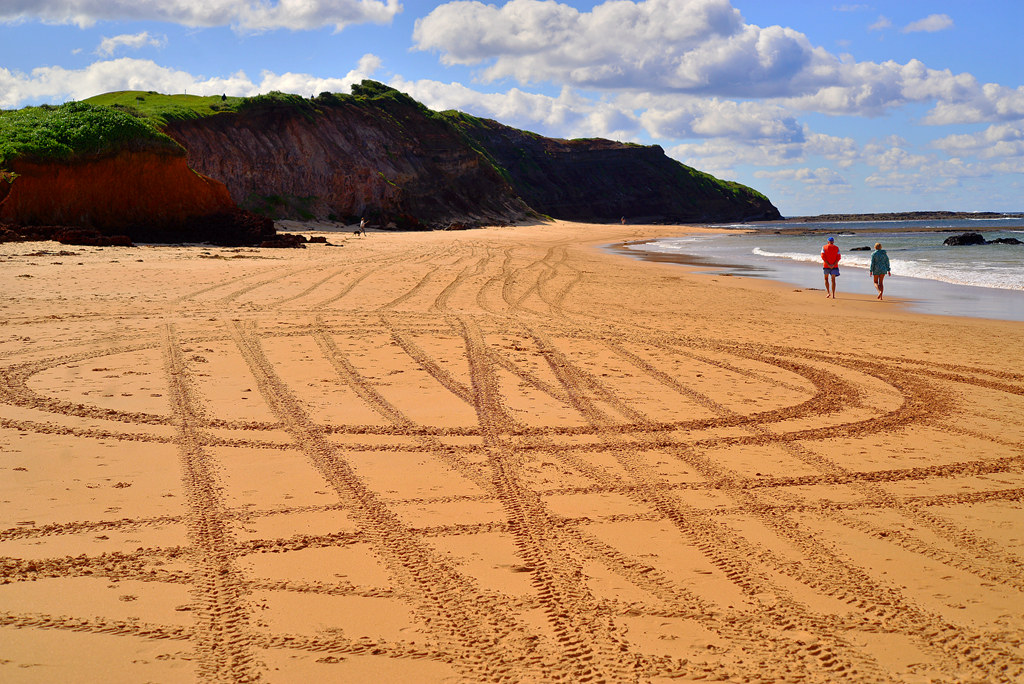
(623, 220)
(879, 267)
(362, 227)
(830, 260)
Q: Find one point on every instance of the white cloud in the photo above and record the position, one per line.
(694, 46)
(881, 24)
(930, 24)
(722, 155)
(108, 46)
(56, 84)
(683, 116)
(870, 89)
(987, 103)
(821, 177)
(911, 184)
(253, 15)
(997, 141)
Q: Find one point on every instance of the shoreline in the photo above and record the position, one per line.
(919, 295)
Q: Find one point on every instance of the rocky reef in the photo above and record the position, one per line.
(968, 239)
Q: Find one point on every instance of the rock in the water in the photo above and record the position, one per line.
(964, 239)
(861, 249)
(1005, 241)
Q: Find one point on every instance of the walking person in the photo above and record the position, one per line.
(830, 261)
(879, 267)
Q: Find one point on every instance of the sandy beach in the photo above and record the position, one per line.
(496, 455)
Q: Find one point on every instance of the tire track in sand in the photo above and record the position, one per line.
(223, 640)
(486, 640)
(586, 632)
(827, 571)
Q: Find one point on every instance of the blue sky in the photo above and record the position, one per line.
(823, 106)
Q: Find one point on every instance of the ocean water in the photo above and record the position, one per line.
(982, 281)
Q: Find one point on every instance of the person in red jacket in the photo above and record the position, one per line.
(830, 260)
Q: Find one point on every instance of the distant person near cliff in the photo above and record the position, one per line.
(830, 260)
(879, 267)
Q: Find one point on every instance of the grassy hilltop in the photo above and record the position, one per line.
(74, 129)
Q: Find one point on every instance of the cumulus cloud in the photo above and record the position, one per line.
(681, 116)
(694, 46)
(56, 84)
(108, 46)
(870, 89)
(723, 155)
(996, 141)
(988, 103)
(930, 24)
(252, 15)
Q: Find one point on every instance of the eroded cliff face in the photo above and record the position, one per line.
(387, 161)
(602, 180)
(117, 191)
(149, 196)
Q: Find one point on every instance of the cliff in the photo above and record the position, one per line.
(176, 168)
(146, 196)
(601, 180)
(384, 156)
(76, 166)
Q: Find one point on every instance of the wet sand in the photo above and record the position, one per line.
(496, 455)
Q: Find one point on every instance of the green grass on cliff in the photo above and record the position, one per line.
(74, 129)
(162, 109)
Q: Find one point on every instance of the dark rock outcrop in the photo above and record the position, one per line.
(602, 180)
(965, 239)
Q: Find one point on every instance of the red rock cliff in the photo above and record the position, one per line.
(116, 193)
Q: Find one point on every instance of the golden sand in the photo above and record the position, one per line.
(496, 455)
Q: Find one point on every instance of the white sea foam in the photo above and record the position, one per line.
(1005, 276)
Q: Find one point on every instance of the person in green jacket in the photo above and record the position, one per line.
(879, 267)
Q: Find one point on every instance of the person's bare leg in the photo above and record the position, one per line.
(879, 285)
(828, 291)
(833, 287)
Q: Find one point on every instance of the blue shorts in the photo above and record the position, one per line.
(831, 271)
